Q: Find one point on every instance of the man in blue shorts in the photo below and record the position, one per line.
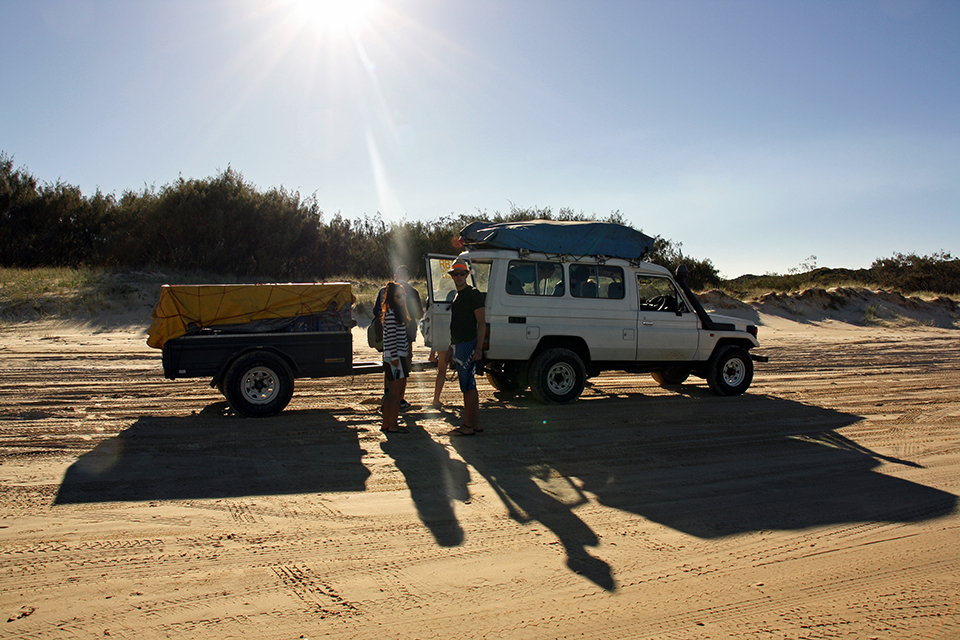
(468, 329)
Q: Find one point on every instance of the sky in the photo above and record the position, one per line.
(761, 135)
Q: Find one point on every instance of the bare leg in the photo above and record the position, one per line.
(471, 409)
(441, 378)
(390, 413)
(391, 405)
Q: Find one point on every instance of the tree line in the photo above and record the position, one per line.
(225, 225)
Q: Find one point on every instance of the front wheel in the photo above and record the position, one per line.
(557, 376)
(258, 384)
(729, 371)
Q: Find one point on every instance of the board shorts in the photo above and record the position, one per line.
(397, 373)
(465, 365)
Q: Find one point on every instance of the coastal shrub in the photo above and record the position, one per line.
(225, 225)
(939, 272)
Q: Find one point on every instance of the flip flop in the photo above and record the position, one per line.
(397, 430)
(459, 432)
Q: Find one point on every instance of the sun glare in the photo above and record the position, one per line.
(335, 16)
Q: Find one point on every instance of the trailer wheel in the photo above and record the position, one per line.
(729, 371)
(258, 384)
(671, 376)
(557, 376)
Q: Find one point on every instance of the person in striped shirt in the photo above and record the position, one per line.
(396, 348)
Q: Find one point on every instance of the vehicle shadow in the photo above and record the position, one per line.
(699, 464)
(213, 455)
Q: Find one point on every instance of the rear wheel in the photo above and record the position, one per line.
(258, 384)
(729, 371)
(508, 378)
(557, 376)
(671, 376)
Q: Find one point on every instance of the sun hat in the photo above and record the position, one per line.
(459, 266)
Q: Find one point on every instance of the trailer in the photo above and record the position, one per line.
(253, 341)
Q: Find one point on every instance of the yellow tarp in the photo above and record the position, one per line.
(207, 305)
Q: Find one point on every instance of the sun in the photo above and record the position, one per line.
(334, 16)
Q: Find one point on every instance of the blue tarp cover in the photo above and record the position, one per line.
(569, 238)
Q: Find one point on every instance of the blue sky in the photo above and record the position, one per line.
(757, 134)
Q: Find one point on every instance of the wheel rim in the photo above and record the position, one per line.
(734, 372)
(260, 385)
(561, 378)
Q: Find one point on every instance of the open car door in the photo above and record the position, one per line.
(435, 326)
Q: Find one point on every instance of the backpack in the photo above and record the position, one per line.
(375, 333)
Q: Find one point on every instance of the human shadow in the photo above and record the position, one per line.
(434, 479)
(212, 455)
(526, 501)
(700, 464)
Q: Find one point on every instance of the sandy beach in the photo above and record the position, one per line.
(821, 504)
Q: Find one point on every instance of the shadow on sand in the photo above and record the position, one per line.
(699, 464)
(435, 481)
(213, 455)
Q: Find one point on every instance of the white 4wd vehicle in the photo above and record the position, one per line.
(558, 316)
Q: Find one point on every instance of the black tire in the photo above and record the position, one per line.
(258, 384)
(729, 371)
(557, 376)
(507, 378)
(671, 376)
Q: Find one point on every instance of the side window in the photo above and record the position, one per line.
(611, 282)
(481, 273)
(595, 281)
(659, 294)
(583, 281)
(533, 278)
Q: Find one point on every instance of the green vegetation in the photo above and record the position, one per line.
(58, 291)
(907, 273)
(224, 225)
